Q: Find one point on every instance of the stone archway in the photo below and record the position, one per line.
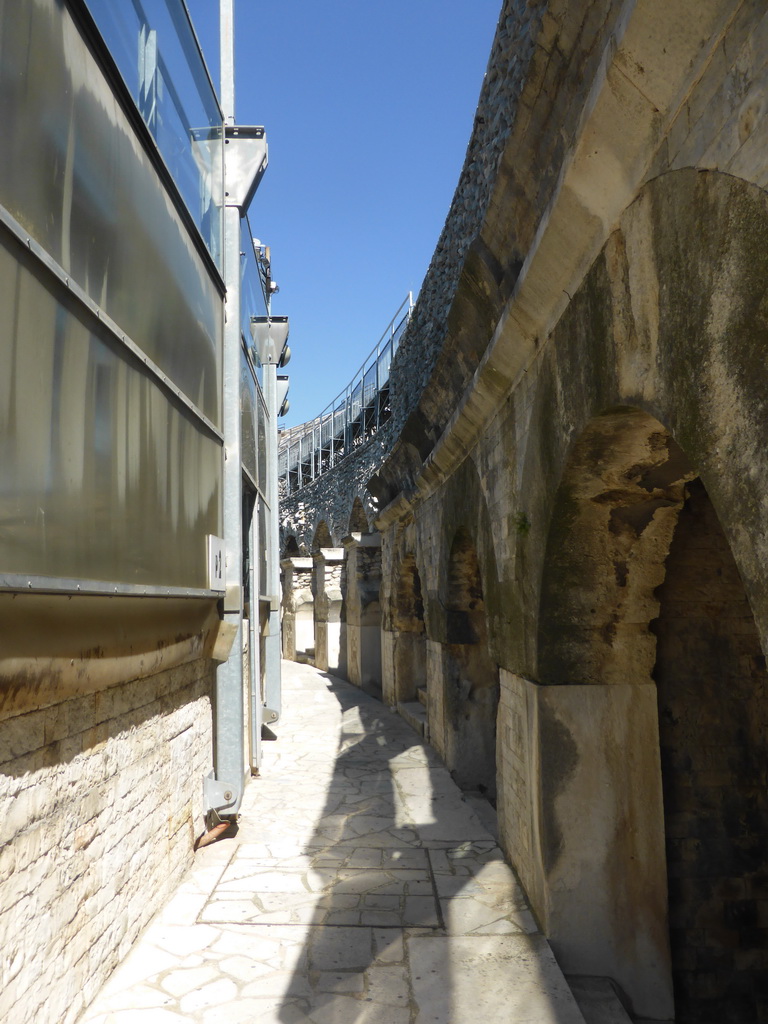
(470, 677)
(712, 690)
(358, 520)
(640, 594)
(322, 536)
(291, 547)
(407, 621)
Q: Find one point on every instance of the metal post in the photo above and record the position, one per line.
(272, 668)
(224, 793)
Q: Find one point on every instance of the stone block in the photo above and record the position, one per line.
(80, 862)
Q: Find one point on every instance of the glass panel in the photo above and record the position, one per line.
(355, 400)
(104, 477)
(262, 421)
(252, 302)
(156, 51)
(385, 361)
(369, 385)
(248, 428)
(73, 176)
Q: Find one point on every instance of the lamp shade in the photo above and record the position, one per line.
(269, 336)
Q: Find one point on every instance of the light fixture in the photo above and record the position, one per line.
(269, 334)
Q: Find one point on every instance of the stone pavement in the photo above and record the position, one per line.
(361, 888)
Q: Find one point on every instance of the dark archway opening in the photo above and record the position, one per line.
(712, 690)
(471, 693)
(291, 548)
(640, 587)
(358, 520)
(410, 653)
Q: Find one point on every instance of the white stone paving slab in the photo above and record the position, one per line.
(493, 978)
(360, 888)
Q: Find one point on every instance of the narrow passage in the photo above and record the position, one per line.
(361, 888)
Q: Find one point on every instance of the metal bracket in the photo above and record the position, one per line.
(269, 716)
(245, 160)
(217, 795)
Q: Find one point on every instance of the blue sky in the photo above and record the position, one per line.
(368, 109)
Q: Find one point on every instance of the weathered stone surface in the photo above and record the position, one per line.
(101, 801)
(361, 879)
(298, 623)
(591, 362)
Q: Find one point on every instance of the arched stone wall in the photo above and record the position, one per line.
(291, 547)
(358, 520)
(407, 621)
(650, 382)
(712, 691)
(470, 678)
(404, 639)
(600, 383)
(322, 538)
(636, 553)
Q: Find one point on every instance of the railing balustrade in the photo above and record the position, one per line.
(346, 423)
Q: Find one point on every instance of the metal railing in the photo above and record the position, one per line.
(346, 423)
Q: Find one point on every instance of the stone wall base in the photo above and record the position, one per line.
(581, 816)
(364, 657)
(100, 804)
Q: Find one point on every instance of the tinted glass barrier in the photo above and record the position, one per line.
(104, 478)
(158, 55)
(73, 175)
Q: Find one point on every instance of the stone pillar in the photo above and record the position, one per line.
(581, 816)
(363, 611)
(328, 601)
(389, 693)
(298, 615)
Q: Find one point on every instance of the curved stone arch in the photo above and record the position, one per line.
(321, 538)
(650, 414)
(642, 604)
(291, 547)
(358, 520)
(615, 511)
(672, 320)
(407, 599)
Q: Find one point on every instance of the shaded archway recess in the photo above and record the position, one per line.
(640, 587)
(358, 520)
(322, 537)
(407, 620)
(471, 678)
(291, 547)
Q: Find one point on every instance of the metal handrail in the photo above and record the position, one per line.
(347, 422)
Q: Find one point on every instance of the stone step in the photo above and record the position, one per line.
(421, 693)
(598, 999)
(415, 714)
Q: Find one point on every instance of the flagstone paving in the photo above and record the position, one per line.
(361, 888)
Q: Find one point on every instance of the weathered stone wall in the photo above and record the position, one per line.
(330, 498)
(508, 66)
(331, 495)
(602, 356)
(100, 804)
(712, 689)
